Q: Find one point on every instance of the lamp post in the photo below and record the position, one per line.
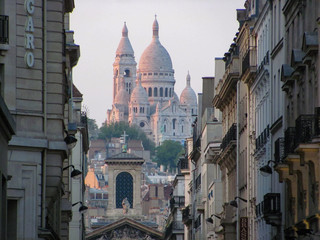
(75, 174)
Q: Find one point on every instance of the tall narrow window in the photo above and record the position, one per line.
(166, 92)
(174, 123)
(124, 189)
(150, 92)
(169, 92)
(161, 92)
(155, 92)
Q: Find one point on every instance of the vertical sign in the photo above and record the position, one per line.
(29, 37)
(244, 228)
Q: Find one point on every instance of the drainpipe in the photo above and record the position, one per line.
(237, 160)
(249, 168)
(44, 154)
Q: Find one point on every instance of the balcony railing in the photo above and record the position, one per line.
(4, 29)
(177, 201)
(186, 215)
(230, 136)
(279, 150)
(177, 225)
(305, 128)
(183, 164)
(249, 60)
(263, 138)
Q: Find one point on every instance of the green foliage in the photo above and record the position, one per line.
(134, 132)
(168, 152)
(92, 128)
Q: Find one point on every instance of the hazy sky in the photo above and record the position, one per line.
(194, 32)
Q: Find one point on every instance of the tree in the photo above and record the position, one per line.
(134, 132)
(92, 128)
(168, 152)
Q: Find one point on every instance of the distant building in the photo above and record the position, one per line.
(149, 100)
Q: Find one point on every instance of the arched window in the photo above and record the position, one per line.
(169, 92)
(124, 189)
(165, 128)
(166, 92)
(174, 123)
(150, 92)
(161, 92)
(182, 128)
(126, 73)
(155, 92)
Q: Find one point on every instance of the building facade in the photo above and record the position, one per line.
(147, 99)
(36, 63)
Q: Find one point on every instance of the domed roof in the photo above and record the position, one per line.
(155, 57)
(139, 94)
(188, 96)
(124, 46)
(122, 96)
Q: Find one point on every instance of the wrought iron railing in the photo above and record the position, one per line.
(177, 225)
(249, 59)
(230, 136)
(186, 214)
(4, 29)
(262, 139)
(177, 201)
(305, 128)
(183, 164)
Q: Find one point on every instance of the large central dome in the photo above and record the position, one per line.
(155, 57)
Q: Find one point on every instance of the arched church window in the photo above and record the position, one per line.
(165, 128)
(169, 92)
(140, 109)
(126, 73)
(155, 92)
(182, 128)
(150, 92)
(124, 189)
(166, 92)
(174, 123)
(161, 92)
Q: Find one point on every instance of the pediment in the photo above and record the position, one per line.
(125, 229)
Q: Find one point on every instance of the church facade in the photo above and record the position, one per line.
(146, 97)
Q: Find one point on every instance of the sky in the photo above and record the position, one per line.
(194, 32)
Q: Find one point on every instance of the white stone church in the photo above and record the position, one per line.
(146, 97)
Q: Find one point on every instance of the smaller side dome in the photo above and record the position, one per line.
(139, 94)
(188, 96)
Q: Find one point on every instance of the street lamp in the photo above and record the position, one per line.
(266, 170)
(82, 208)
(210, 220)
(234, 203)
(71, 141)
(75, 174)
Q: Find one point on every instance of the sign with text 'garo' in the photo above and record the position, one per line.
(29, 29)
